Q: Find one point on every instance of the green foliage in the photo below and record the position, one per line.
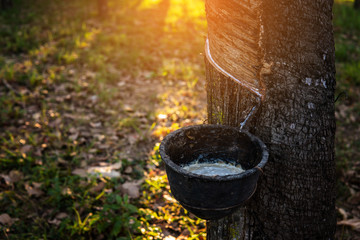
(347, 52)
(346, 17)
(58, 58)
(347, 45)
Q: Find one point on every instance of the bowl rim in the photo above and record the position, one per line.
(177, 168)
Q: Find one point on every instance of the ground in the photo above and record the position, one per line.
(86, 99)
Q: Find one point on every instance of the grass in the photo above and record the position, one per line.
(347, 53)
(73, 99)
(79, 92)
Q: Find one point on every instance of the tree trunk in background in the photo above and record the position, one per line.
(357, 4)
(4, 4)
(102, 8)
(285, 50)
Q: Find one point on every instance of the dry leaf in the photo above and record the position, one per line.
(62, 161)
(167, 196)
(25, 148)
(74, 136)
(55, 123)
(169, 238)
(104, 171)
(6, 178)
(54, 222)
(128, 170)
(354, 223)
(355, 199)
(95, 125)
(103, 146)
(36, 184)
(36, 116)
(121, 84)
(184, 235)
(66, 191)
(98, 188)
(93, 98)
(38, 152)
(80, 172)
(133, 138)
(132, 189)
(128, 108)
(15, 176)
(73, 130)
(34, 190)
(116, 165)
(99, 137)
(61, 215)
(5, 219)
(343, 213)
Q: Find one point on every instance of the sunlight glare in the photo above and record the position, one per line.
(146, 4)
(162, 116)
(184, 9)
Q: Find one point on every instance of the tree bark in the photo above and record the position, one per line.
(285, 51)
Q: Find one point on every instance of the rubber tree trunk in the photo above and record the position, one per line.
(284, 50)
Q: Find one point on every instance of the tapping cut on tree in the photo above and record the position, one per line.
(285, 49)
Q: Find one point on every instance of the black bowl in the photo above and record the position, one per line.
(212, 197)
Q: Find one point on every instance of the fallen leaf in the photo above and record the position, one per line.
(103, 146)
(5, 219)
(54, 222)
(15, 176)
(25, 148)
(343, 213)
(116, 165)
(38, 152)
(99, 137)
(61, 215)
(95, 125)
(55, 123)
(36, 116)
(168, 197)
(133, 138)
(132, 189)
(355, 199)
(128, 170)
(80, 172)
(93, 98)
(121, 84)
(104, 171)
(169, 238)
(36, 184)
(74, 136)
(62, 161)
(128, 108)
(6, 178)
(184, 235)
(34, 190)
(73, 130)
(354, 223)
(98, 187)
(66, 191)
